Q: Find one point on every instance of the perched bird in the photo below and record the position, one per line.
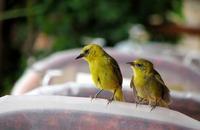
(105, 71)
(148, 85)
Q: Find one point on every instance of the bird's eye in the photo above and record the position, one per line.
(138, 65)
(86, 51)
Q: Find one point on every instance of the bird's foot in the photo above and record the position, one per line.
(93, 97)
(152, 107)
(136, 104)
(138, 101)
(110, 100)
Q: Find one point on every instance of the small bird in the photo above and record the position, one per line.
(105, 71)
(148, 85)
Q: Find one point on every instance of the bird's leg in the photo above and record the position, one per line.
(153, 105)
(136, 98)
(95, 96)
(139, 100)
(112, 98)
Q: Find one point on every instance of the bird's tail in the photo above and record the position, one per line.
(119, 96)
(166, 97)
(165, 101)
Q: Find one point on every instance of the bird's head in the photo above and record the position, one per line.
(141, 66)
(90, 52)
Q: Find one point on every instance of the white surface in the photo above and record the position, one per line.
(19, 103)
(75, 87)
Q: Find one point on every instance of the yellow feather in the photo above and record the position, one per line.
(148, 84)
(104, 70)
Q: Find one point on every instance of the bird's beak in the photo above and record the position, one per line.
(130, 63)
(80, 56)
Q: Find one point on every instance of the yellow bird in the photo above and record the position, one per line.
(105, 71)
(148, 85)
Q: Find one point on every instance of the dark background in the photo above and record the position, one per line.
(63, 24)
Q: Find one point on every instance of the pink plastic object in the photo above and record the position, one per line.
(175, 74)
(72, 113)
(185, 102)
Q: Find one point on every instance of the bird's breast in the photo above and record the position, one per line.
(103, 76)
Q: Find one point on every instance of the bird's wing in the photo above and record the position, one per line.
(165, 90)
(115, 68)
(158, 78)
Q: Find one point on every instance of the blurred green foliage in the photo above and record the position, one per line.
(68, 21)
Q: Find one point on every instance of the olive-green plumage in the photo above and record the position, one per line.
(148, 85)
(104, 69)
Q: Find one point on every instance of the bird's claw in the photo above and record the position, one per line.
(92, 98)
(153, 107)
(136, 104)
(109, 100)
